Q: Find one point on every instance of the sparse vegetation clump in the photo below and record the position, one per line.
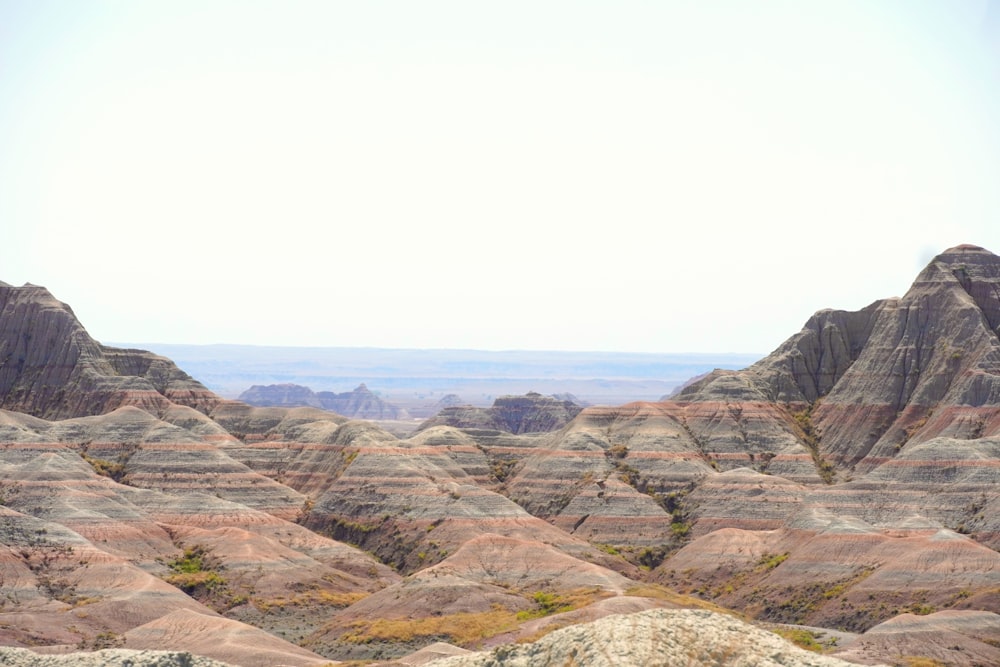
(801, 637)
(609, 549)
(198, 573)
(8, 492)
(548, 603)
(192, 573)
(811, 438)
(309, 598)
(651, 557)
(771, 561)
(470, 628)
(100, 641)
(112, 469)
(501, 469)
(617, 451)
(919, 661)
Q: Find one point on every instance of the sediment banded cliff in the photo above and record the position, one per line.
(846, 480)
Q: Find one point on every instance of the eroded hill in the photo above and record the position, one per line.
(845, 481)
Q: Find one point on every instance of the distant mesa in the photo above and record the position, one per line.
(449, 401)
(280, 395)
(360, 403)
(531, 413)
(566, 396)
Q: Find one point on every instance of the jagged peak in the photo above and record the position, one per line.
(969, 258)
(31, 287)
(970, 268)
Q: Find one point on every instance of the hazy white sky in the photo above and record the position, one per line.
(617, 175)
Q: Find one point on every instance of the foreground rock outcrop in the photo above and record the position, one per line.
(112, 657)
(656, 637)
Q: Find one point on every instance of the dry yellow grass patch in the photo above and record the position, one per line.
(463, 629)
(310, 598)
(916, 661)
(557, 603)
(468, 629)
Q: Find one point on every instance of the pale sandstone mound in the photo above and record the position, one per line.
(111, 657)
(655, 637)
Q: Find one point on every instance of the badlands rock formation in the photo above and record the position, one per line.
(50, 367)
(899, 372)
(531, 413)
(847, 481)
(360, 403)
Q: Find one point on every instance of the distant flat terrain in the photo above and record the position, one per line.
(416, 378)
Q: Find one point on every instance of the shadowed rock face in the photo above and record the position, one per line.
(50, 367)
(531, 413)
